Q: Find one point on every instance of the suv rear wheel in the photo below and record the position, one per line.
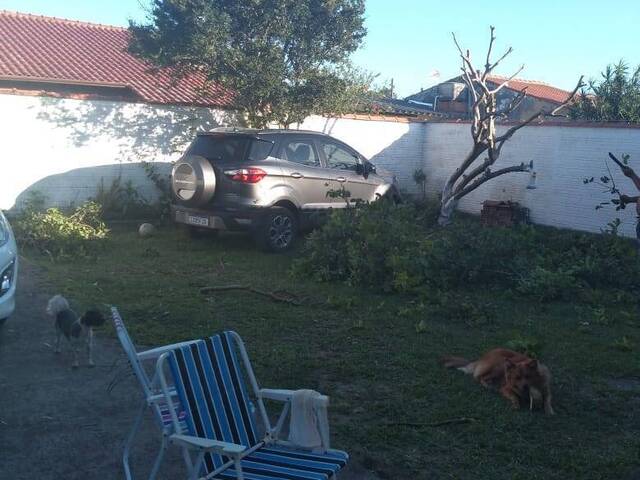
(278, 231)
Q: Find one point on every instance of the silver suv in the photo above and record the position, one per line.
(272, 183)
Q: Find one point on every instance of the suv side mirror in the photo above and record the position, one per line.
(368, 168)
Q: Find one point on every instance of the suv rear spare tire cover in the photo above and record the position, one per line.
(193, 180)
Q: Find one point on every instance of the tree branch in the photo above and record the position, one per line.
(475, 152)
(487, 65)
(504, 55)
(506, 82)
(626, 170)
(465, 58)
(579, 85)
(625, 199)
(509, 133)
(277, 296)
(483, 113)
(523, 167)
(515, 103)
(473, 174)
(452, 421)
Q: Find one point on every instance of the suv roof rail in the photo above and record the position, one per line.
(254, 131)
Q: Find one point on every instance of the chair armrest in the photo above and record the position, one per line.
(207, 445)
(160, 397)
(280, 395)
(154, 353)
(276, 394)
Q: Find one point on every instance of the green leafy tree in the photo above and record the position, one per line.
(615, 97)
(283, 59)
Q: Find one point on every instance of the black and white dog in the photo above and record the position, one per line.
(73, 328)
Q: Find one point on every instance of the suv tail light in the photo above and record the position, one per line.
(246, 175)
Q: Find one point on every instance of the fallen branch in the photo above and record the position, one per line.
(451, 421)
(276, 296)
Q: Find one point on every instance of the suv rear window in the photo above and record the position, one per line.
(230, 148)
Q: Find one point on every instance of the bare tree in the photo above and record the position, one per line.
(486, 142)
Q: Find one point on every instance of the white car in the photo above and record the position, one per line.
(8, 269)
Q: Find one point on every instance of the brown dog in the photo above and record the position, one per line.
(517, 376)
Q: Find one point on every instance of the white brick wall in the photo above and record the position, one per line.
(563, 156)
(395, 146)
(65, 147)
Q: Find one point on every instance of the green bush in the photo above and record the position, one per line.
(547, 285)
(162, 183)
(399, 248)
(372, 245)
(59, 235)
(467, 253)
(120, 200)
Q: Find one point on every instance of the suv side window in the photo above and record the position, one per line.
(260, 149)
(339, 157)
(300, 151)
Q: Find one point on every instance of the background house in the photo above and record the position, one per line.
(397, 106)
(452, 97)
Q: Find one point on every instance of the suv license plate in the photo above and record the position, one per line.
(201, 221)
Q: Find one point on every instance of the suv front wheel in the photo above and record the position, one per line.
(278, 230)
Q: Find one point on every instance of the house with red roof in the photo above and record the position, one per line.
(72, 59)
(452, 97)
(79, 110)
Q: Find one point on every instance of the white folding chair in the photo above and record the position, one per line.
(153, 396)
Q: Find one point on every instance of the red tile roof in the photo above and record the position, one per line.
(37, 48)
(536, 89)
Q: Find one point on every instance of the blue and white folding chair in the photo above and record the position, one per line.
(220, 428)
(154, 398)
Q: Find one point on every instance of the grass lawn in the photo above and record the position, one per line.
(363, 349)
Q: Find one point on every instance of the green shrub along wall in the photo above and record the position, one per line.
(399, 248)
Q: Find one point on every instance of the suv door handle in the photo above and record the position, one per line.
(296, 175)
(341, 179)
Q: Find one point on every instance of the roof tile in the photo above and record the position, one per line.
(35, 47)
(534, 88)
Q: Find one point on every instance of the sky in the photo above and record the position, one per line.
(410, 42)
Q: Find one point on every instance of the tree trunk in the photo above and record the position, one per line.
(469, 175)
(447, 207)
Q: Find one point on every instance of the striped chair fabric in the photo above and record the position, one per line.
(165, 415)
(211, 387)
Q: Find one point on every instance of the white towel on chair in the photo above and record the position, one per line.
(309, 426)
